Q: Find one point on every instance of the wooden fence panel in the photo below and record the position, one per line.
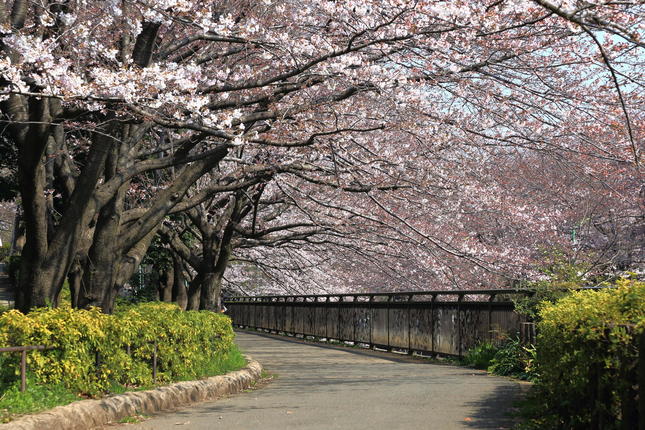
(380, 325)
(320, 317)
(421, 328)
(362, 322)
(504, 324)
(309, 321)
(470, 325)
(251, 314)
(332, 321)
(451, 325)
(399, 327)
(445, 329)
(299, 316)
(288, 318)
(261, 319)
(346, 324)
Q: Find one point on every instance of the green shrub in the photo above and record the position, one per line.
(92, 351)
(510, 358)
(587, 355)
(480, 356)
(514, 359)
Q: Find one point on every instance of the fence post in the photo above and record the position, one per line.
(433, 323)
(154, 363)
(410, 297)
(641, 381)
(459, 324)
(527, 332)
(354, 314)
(371, 319)
(314, 309)
(327, 307)
(338, 332)
(23, 370)
(491, 299)
(388, 309)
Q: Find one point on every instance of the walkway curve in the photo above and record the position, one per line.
(325, 387)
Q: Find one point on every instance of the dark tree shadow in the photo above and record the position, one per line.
(498, 410)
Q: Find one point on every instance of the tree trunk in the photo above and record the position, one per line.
(103, 258)
(208, 295)
(75, 280)
(34, 286)
(194, 293)
(179, 293)
(212, 285)
(17, 235)
(166, 284)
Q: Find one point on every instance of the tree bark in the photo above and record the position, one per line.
(166, 284)
(179, 292)
(75, 280)
(102, 263)
(194, 293)
(34, 288)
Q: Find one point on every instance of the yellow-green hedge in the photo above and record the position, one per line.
(91, 350)
(588, 354)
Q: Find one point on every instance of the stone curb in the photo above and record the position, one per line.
(86, 414)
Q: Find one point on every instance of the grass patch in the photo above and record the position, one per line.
(36, 398)
(134, 419)
(224, 363)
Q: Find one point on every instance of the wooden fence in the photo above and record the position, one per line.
(434, 322)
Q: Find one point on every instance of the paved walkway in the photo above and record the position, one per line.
(324, 387)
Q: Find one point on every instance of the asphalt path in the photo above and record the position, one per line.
(316, 386)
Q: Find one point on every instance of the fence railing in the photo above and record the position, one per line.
(23, 360)
(435, 322)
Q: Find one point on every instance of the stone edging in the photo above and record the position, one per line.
(86, 414)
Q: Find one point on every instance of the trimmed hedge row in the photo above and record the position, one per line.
(93, 351)
(587, 357)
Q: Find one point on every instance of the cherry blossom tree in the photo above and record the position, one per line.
(119, 108)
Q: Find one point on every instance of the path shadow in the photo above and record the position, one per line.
(498, 410)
